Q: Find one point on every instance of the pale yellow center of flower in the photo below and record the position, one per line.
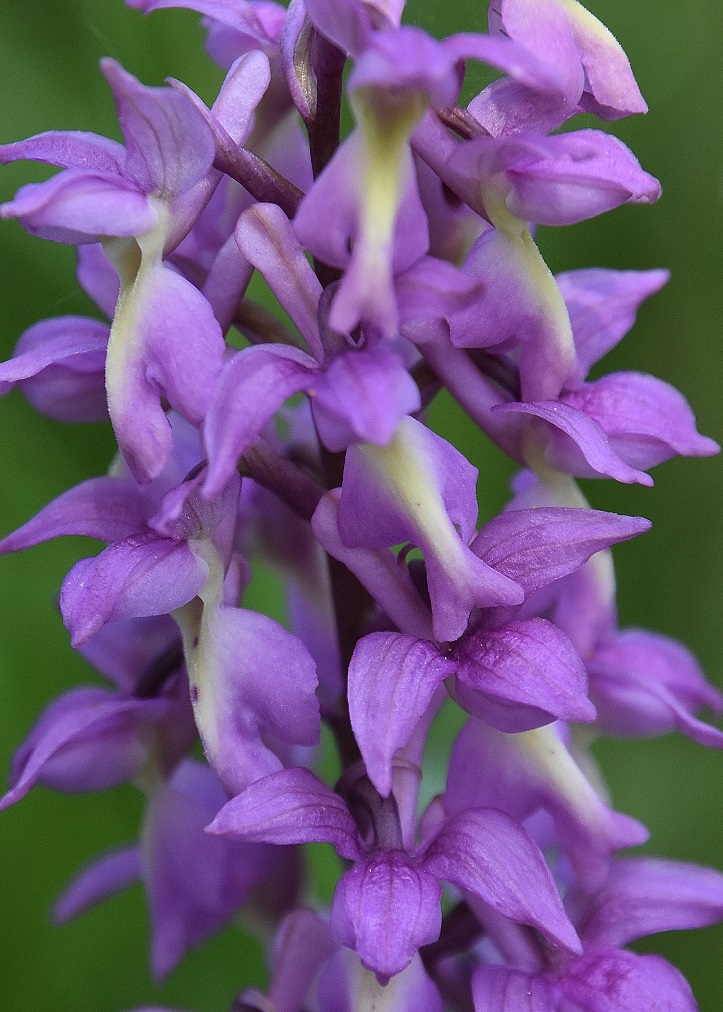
(409, 475)
(544, 290)
(547, 754)
(594, 37)
(385, 127)
(195, 620)
(585, 22)
(135, 260)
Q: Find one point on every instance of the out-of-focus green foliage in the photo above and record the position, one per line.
(671, 580)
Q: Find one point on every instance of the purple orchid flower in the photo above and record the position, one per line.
(550, 181)
(390, 885)
(260, 29)
(404, 259)
(381, 224)
(238, 121)
(421, 490)
(358, 386)
(641, 683)
(92, 738)
(533, 771)
(354, 534)
(640, 897)
(515, 673)
(377, 222)
(586, 55)
(361, 395)
(140, 200)
(646, 684)
(59, 366)
(171, 552)
(87, 740)
(195, 882)
(614, 427)
(603, 305)
(537, 408)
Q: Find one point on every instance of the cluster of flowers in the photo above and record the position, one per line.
(419, 226)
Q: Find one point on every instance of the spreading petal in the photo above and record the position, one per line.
(534, 547)
(487, 853)
(642, 896)
(86, 740)
(562, 33)
(102, 878)
(573, 442)
(252, 386)
(646, 420)
(572, 177)
(267, 240)
(79, 206)
(68, 149)
(109, 509)
(603, 305)
(143, 575)
(59, 365)
(647, 684)
(290, 806)
(169, 147)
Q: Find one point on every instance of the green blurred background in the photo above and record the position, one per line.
(670, 580)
